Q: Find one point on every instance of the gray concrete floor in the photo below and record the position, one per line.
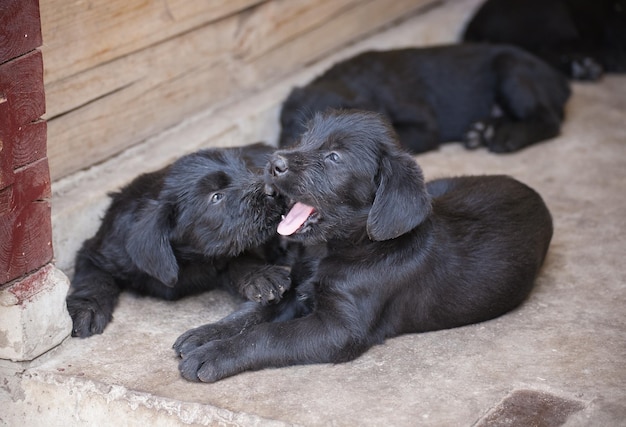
(559, 358)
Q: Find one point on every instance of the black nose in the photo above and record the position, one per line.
(278, 165)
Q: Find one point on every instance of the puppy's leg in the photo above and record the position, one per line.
(532, 105)
(92, 299)
(499, 133)
(309, 339)
(416, 138)
(416, 125)
(506, 136)
(248, 315)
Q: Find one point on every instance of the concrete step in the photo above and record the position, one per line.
(560, 359)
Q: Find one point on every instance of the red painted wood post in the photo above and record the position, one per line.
(33, 318)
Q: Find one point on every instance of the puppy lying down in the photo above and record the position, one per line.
(384, 253)
(581, 38)
(484, 95)
(202, 223)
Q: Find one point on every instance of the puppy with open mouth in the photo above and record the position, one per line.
(384, 253)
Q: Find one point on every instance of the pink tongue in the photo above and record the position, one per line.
(294, 219)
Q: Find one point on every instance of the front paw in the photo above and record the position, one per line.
(208, 363)
(88, 317)
(267, 284)
(197, 337)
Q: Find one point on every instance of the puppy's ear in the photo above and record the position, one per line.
(149, 246)
(401, 202)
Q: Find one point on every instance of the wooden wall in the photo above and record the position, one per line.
(120, 71)
(25, 228)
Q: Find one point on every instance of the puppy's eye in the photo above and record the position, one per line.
(333, 157)
(216, 197)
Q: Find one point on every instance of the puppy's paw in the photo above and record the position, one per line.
(267, 284)
(208, 363)
(585, 68)
(197, 337)
(506, 138)
(88, 317)
(479, 134)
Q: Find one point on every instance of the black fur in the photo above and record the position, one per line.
(497, 96)
(582, 38)
(201, 223)
(385, 254)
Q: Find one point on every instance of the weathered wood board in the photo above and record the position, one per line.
(119, 72)
(25, 227)
(20, 31)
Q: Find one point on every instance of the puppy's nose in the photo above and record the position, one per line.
(278, 165)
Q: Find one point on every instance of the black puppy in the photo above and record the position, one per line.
(201, 223)
(582, 38)
(388, 254)
(497, 96)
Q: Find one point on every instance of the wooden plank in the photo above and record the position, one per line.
(171, 81)
(21, 102)
(21, 85)
(19, 146)
(272, 24)
(7, 128)
(30, 143)
(248, 34)
(155, 88)
(19, 28)
(339, 29)
(80, 35)
(25, 227)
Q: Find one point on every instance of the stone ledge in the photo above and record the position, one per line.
(82, 402)
(33, 315)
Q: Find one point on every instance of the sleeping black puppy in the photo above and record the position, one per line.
(201, 223)
(387, 253)
(582, 38)
(497, 96)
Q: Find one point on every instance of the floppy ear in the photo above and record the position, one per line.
(401, 202)
(149, 246)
